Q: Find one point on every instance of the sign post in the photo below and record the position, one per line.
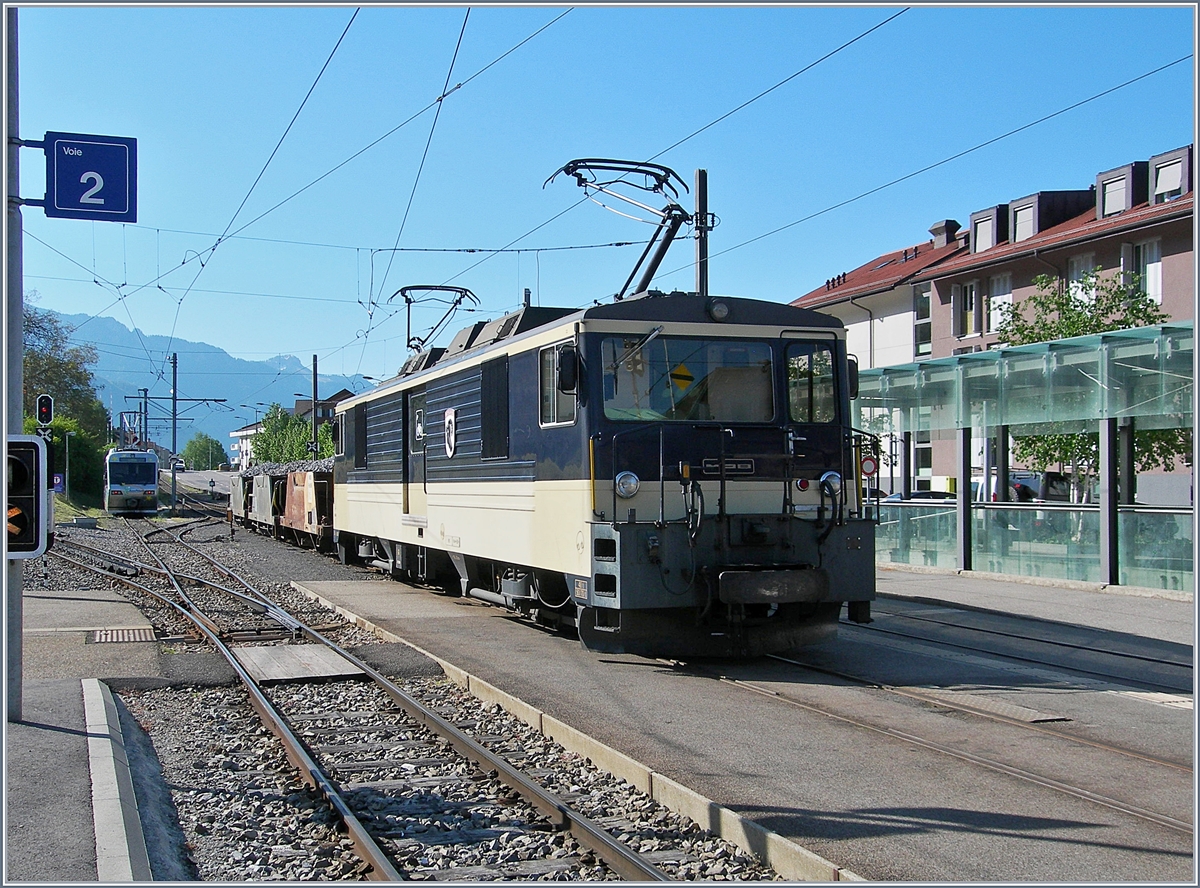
(91, 177)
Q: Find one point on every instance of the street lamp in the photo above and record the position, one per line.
(67, 465)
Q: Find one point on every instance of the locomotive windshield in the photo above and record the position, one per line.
(131, 473)
(677, 379)
(812, 396)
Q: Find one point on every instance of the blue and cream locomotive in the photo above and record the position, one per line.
(673, 475)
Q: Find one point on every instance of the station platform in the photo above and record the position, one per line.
(71, 814)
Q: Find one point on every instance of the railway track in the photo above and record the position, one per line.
(1169, 671)
(408, 781)
(786, 678)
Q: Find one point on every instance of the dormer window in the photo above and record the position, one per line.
(1120, 189)
(988, 228)
(1023, 227)
(1170, 175)
(1114, 197)
(984, 235)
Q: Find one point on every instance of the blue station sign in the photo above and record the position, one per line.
(91, 177)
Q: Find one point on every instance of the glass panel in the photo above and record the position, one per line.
(916, 534)
(564, 402)
(1114, 196)
(983, 237)
(131, 472)
(546, 381)
(921, 301)
(1059, 543)
(687, 380)
(923, 338)
(1022, 223)
(1156, 550)
(812, 396)
(1168, 179)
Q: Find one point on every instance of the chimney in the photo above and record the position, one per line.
(943, 232)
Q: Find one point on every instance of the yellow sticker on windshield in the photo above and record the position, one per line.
(682, 376)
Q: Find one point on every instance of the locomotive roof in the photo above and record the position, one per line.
(693, 308)
(676, 307)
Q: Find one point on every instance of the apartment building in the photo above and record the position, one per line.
(945, 296)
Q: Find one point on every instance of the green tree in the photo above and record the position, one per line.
(54, 367)
(284, 438)
(1059, 310)
(87, 456)
(204, 452)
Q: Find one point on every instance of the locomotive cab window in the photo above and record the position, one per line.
(557, 407)
(812, 394)
(674, 379)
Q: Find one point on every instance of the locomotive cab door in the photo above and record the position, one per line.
(414, 458)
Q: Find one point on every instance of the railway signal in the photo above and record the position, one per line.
(27, 513)
(45, 410)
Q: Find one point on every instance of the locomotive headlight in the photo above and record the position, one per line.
(833, 482)
(627, 484)
(718, 310)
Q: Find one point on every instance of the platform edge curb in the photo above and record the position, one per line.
(121, 854)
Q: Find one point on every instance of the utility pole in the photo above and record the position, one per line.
(174, 423)
(145, 415)
(15, 348)
(701, 223)
(175, 400)
(314, 448)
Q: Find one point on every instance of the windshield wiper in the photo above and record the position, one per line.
(636, 347)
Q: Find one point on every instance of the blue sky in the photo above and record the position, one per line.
(208, 93)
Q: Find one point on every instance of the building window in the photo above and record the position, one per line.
(1114, 196)
(1022, 223)
(999, 299)
(1168, 181)
(1077, 268)
(922, 322)
(967, 309)
(557, 408)
(984, 235)
(1147, 259)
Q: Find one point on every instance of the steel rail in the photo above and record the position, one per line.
(622, 859)
(933, 745)
(1124, 679)
(1158, 661)
(615, 853)
(983, 713)
(297, 753)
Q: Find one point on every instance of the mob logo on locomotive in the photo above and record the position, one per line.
(451, 432)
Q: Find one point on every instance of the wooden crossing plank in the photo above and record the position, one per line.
(293, 662)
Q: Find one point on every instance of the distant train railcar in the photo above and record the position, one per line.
(131, 482)
(670, 474)
(307, 514)
(292, 501)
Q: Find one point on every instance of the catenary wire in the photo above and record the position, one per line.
(212, 250)
(939, 163)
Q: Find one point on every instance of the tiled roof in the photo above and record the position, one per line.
(1084, 227)
(879, 275)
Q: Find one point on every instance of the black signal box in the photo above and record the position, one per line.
(45, 410)
(27, 502)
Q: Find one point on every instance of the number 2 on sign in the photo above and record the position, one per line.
(89, 195)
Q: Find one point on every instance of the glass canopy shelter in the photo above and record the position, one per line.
(1109, 383)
